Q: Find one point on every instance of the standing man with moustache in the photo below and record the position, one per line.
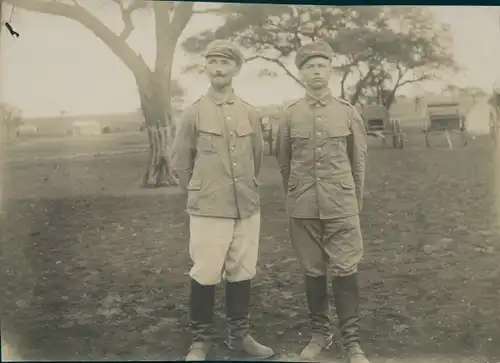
(217, 156)
(321, 151)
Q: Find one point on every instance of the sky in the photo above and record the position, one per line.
(57, 64)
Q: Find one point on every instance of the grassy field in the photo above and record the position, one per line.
(95, 268)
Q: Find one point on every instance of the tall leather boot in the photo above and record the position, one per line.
(317, 302)
(237, 310)
(201, 310)
(346, 291)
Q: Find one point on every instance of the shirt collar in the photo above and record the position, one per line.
(219, 99)
(321, 101)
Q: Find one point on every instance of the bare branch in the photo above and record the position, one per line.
(79, 14)
(278, 63)
(425, 77)
(360, 85)
(128, 25)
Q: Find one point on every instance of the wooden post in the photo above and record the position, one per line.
(448, 138)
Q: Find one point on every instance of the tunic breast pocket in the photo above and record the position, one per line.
(337, 135)
(209, 139)
(299, 136)
(242, 142)
(300, 139)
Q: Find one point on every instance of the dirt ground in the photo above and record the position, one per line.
(94, 268)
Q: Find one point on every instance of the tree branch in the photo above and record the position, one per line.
(127, 15)
(360, 85)
(278, 63)
(391, 96)
(418, 79)
(169, 31)
(346, 70)
(79, 14)
(402, 73)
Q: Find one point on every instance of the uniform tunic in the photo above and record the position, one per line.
(217, 156)
(321, 152)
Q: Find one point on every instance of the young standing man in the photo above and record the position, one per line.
(321, 152)
(217, 155)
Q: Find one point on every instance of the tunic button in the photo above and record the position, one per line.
(318, 133)
(318, 149)
(235, 179)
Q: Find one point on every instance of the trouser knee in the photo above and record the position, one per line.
(206, 279)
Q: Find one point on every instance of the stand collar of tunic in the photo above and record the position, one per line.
(321, 101)
(220, 99)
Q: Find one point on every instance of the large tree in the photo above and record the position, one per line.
(154, 84)
(379, 49)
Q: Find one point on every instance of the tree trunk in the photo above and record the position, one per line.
(155, 109)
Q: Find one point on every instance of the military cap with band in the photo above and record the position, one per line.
(226, 49)
(316, 49)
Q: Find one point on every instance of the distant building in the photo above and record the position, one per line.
(85, 128)
(27, 129)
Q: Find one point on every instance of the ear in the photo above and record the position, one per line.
(237, 68)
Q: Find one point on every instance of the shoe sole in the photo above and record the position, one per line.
(327, 347)
(242, 351)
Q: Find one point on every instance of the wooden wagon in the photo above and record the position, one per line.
(379, 124)
(444, 116)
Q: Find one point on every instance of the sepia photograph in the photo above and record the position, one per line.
(193, 181)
